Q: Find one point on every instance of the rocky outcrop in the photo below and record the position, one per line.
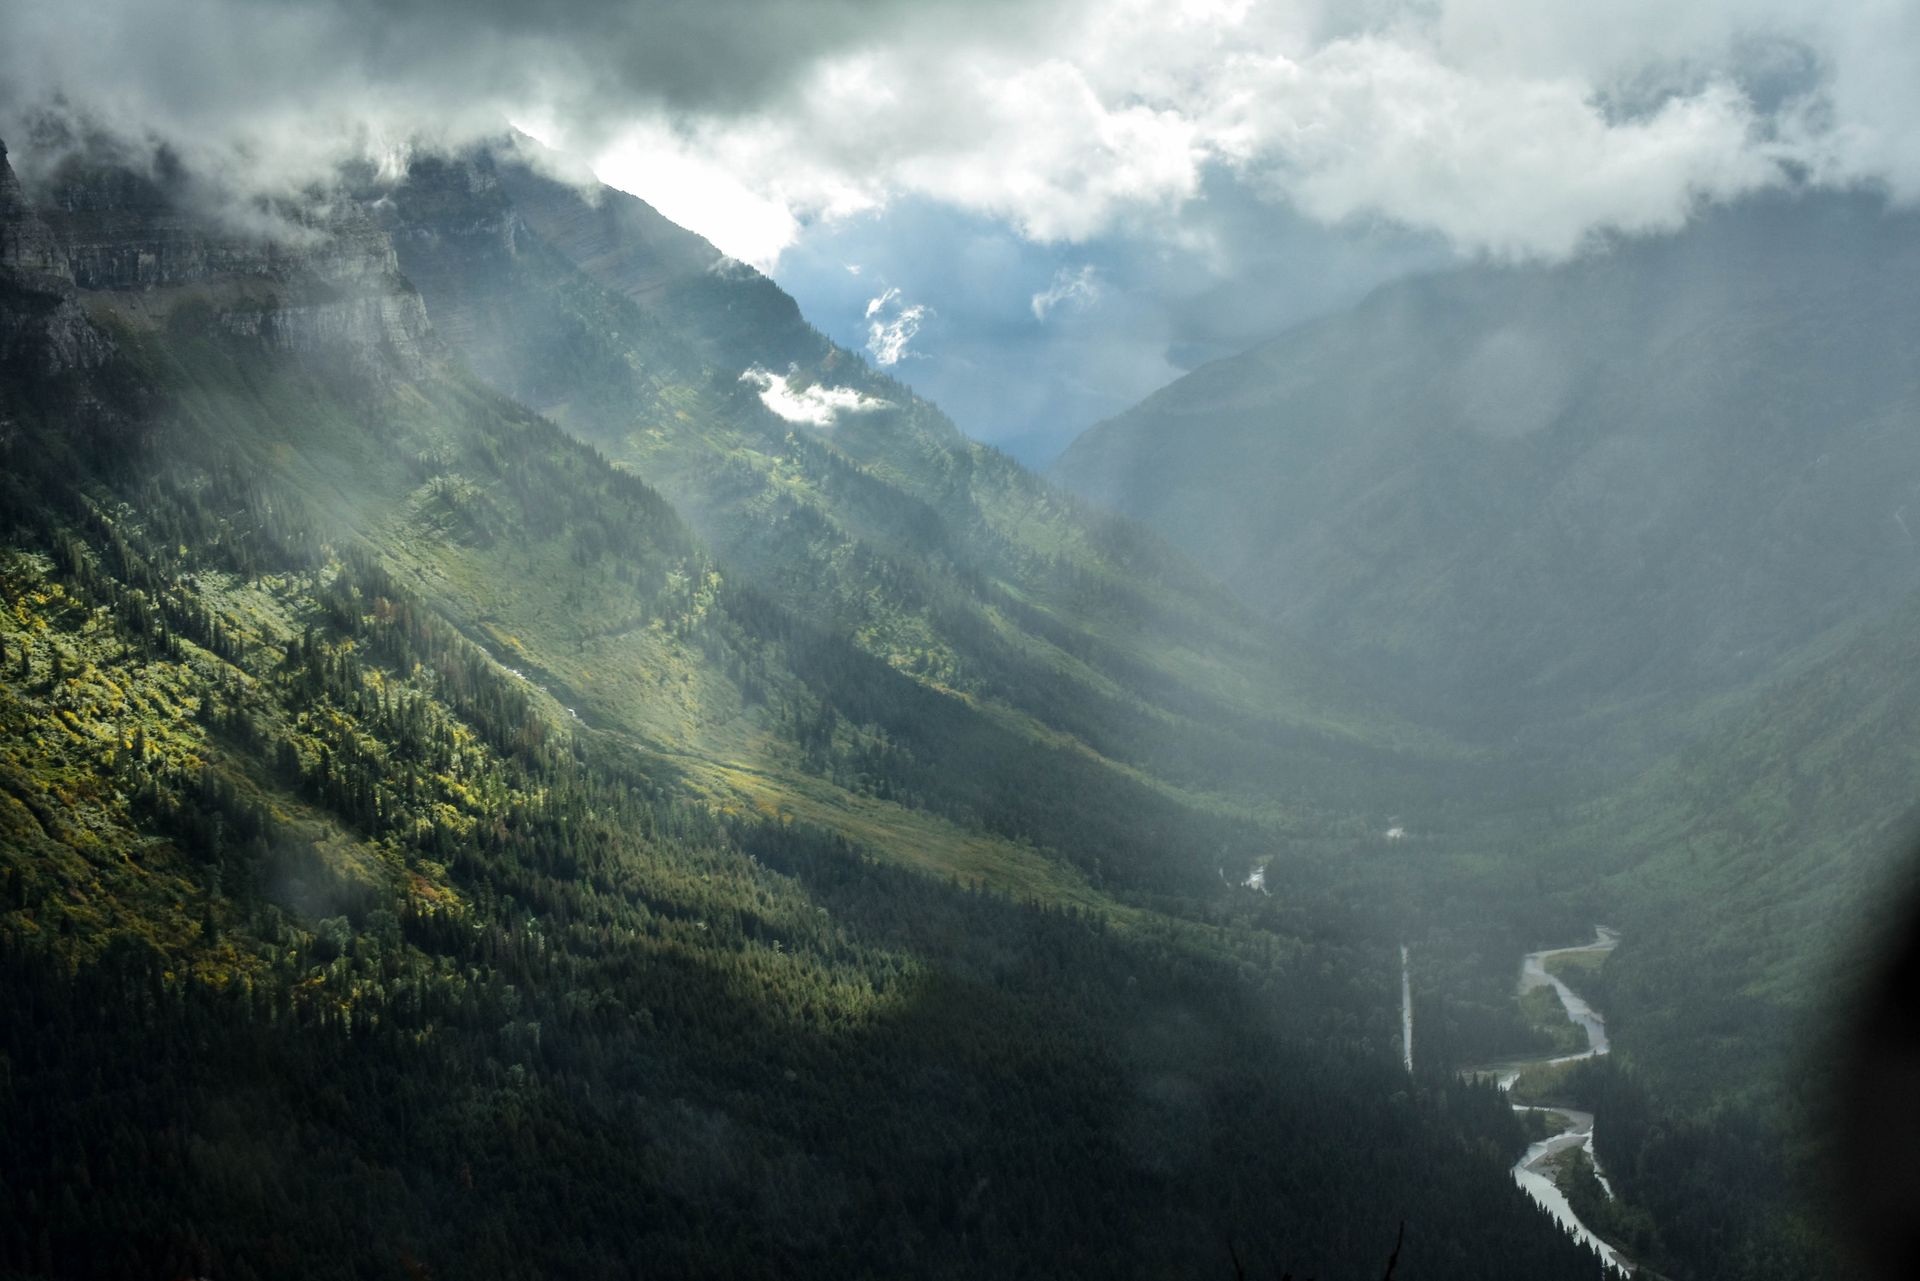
(616, 238)
(733, 314)
(45, 335)
(318, 279)
(28, 250)
(452, 223)
(43, 331)
(375, 328)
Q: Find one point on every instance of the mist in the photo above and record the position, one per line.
(932, 639)
(1226, 169)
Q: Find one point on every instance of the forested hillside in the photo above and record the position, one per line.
(424, 853)
(1760, 868)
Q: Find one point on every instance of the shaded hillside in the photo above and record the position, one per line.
(1754, 871)
(1757, 866)
(1537, 493)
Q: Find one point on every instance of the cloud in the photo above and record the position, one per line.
(266, 97)
(892, 323)
(815, 405)
(1517, 127)
(696, 190)
(1516, 167)
(1077, 288)
(1520, 129)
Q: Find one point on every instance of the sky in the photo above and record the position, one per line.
(1036, 211)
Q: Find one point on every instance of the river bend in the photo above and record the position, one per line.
(1532, 1170)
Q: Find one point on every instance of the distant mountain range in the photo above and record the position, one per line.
(1525, 494)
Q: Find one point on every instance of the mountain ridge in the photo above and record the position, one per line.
(1610, 468)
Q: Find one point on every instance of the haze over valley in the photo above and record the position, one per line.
(922, 640)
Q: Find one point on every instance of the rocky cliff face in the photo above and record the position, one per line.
(28, 249)
(43, 331)
(449, 216)
(317, 280)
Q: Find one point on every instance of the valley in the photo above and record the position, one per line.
(409, 814)
(489, 787)
(1609, 521)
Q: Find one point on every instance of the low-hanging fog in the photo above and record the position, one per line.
(1048, 209)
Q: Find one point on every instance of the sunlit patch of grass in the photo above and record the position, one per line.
(910, 838)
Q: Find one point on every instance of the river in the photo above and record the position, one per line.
(1576, 1127)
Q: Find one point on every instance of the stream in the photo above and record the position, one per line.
(1531, 1171)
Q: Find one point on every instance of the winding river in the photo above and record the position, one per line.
(1531, 1171)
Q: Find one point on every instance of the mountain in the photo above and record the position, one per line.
(1528, 493)
(425, 849)
(879, 521)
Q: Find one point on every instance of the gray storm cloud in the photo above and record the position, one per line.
(278, 91)
(1513, 128)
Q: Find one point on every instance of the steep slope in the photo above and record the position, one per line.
(419, 855)
(1756, 866)
(860, 507)
(1527, 493)
(1760, 859)
(1753, 871)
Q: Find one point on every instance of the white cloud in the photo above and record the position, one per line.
(1512, 166)
(1512, 127)
(892, 323)
(1517, 127)
(696, 189)
(1076, 288)
(816, 405)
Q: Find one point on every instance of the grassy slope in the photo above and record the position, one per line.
(589, 634)
(941, 557)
